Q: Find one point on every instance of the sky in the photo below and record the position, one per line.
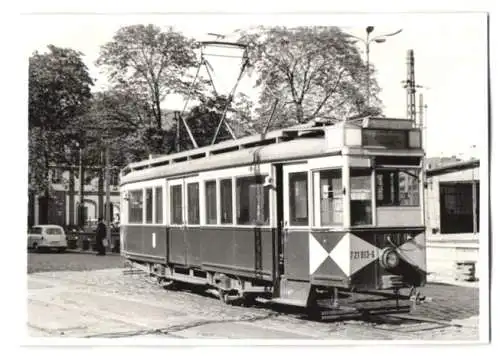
(450, 53)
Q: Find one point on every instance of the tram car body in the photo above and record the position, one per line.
(293, 216)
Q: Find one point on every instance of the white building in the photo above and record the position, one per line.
(452, 217)
(65, 197)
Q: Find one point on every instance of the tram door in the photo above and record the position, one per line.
(296, 199)
(178, 220)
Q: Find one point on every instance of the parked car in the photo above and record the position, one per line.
(47, 236)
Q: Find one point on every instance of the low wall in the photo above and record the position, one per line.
(443, 254)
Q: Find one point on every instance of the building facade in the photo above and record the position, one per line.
(66, 194)
(452, 217)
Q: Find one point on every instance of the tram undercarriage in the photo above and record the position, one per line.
(321, 303)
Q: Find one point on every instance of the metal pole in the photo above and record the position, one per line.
(108, 203)
(367, 72)
(80, 189)
(177, 132)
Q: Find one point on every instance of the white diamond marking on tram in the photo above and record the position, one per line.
(413, 251)
(317, 254)
(353, 253)
(341, 254)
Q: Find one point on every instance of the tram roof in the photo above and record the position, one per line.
(279, 151)
(275, 145)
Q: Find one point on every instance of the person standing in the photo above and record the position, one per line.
(100, 236)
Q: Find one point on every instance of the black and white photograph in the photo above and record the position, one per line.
(213, 178)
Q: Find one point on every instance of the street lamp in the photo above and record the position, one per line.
(367, 42)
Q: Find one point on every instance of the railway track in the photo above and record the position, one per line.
(396, 322)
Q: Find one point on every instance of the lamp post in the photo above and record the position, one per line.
(367, 42)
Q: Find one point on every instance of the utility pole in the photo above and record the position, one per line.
(410, 87)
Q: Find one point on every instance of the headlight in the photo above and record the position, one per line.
(389, 259)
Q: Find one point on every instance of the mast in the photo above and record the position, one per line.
(410, 87)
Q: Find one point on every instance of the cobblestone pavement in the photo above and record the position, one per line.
(108, 303)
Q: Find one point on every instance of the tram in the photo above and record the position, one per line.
(306, 216)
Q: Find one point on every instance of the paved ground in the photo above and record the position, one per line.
(83, 295)
(71, 261)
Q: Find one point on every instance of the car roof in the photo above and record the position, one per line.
(48, 226)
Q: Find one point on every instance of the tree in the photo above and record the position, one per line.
(314, 73)
(58, 97)
(152, 62)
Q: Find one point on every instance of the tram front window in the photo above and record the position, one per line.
(361, 197)
(397, 187)
(331, 209)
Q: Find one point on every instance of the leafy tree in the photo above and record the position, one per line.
(204, 118)
(58, 97)
(152, 63)
(314, 73)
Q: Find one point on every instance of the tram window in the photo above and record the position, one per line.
(176, 204)
(397, 187)
(211, 202)
(193, 203)
(252, 201)
(298, 199)
(159, 204)
(226, 201)
(331, 192)
(361, 196)
(149, 206)
(135, 207)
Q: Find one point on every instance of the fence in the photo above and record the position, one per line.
(86, 241)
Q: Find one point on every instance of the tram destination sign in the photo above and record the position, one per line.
(393, 139)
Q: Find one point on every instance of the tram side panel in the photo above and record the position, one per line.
(244, 252)
(132, 238)
(146, 242)
(217, 247)
(177, 250)
(154, 242)
(192, 238)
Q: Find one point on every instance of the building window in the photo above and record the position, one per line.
(331, 191)
(88, 179)
(397, 187)
(193, 204)
(135, 207)
(56, 176)
(459, 208)
(114, 178)
(252, 201)
(298, 196)
(176, 204)
(159, 204)
(361, 196)
(149, 206)
(211, 202)
(226, 201)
